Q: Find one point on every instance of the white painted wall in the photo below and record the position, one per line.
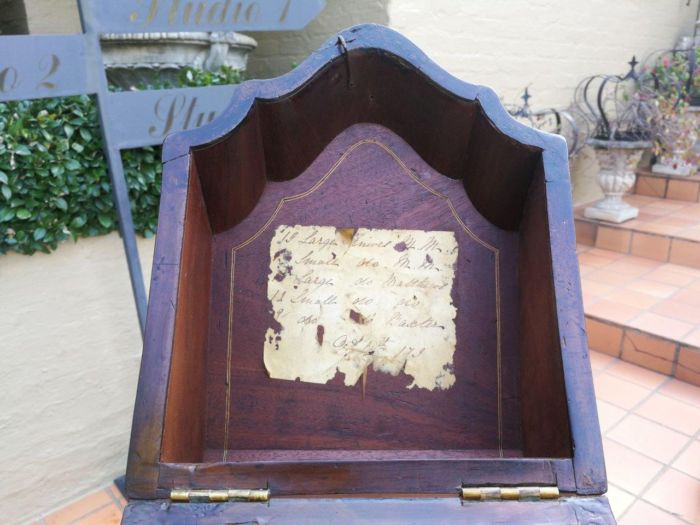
(69, 355)
(547, 44)
(277, 53)
(53, 16)
(69, 340)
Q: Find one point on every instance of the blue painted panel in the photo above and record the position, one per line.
(140, 118)
(42, 66)
(131, 16)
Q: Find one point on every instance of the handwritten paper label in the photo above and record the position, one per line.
(347, 299)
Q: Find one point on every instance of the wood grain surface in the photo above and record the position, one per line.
(366, 178)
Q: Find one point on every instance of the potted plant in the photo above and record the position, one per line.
(620, 114)
(676, 135)
(674, 79)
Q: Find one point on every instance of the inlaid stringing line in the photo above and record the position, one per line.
(497, 276)
(311, 190)
(228, 356)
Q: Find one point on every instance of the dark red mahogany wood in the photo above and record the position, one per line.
(367, 186)
(371, 135)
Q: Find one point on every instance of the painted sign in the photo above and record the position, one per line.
(146, 117)
(42, 66)
(131, 16)
(54, 66)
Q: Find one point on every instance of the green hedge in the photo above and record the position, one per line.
(53, 175)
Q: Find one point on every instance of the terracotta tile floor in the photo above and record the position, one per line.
(103, 507)
(651, 436)
(656, 297)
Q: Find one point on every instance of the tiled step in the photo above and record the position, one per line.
(667, 186)
(643, 311)
(666, 230)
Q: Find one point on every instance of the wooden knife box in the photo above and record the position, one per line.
(366, 142)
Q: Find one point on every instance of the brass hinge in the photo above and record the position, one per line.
(218, 496)
(508, 493)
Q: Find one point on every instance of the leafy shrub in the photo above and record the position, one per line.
(191, 77)
(53, 175)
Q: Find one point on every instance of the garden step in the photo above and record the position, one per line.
(666, 230)
(643, 311)
(667, 186)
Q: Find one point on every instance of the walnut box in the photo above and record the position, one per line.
(365, 307)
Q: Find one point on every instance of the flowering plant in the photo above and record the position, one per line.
(676, 133)
(676, 73)
(674, 81)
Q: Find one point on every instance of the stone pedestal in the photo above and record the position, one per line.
(146, 58)
(617, 160)
(673, 164)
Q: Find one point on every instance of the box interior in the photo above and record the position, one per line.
(508, 399)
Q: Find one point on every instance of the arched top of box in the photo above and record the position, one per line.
(370, 73)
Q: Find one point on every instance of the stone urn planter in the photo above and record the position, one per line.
(620, 113)
(618, 160)
(147, 58)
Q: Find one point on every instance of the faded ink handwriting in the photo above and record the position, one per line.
(347, 299)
